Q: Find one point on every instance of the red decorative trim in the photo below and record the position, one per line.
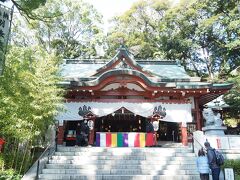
(71, 138)
(130, 100)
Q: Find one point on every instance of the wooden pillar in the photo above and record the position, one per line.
(198, 115)
(60, 135)
(184, 134)
(91, 132)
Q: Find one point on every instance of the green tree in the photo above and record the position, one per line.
(29, 92)
(138, 28)
(232, 98)
(203, 35)
(29, 102)
(200, 33)
(26, 8)
(73, 33)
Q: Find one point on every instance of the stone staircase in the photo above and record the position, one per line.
(97, 163)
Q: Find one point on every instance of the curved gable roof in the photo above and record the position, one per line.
(123, 57)
(153, 69)
(117, 72)
(154, 73)
(165, 69)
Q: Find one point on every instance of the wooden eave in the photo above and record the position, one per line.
(213, 94)
(118, 76)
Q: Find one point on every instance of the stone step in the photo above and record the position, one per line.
(149, 155)
(156, 158)
(87, 160)
(123, 166)
(119, 153)
(121, 163)
(116, 153)
(100, 148)
(123, 150)
(117, 177)
(119, 172)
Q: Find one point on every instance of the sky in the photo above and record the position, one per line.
(108, 8)
(111, 8)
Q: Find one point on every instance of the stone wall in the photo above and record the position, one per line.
(229, 145)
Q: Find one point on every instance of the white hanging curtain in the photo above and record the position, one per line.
(174, 112)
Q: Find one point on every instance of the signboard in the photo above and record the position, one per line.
(228, 174)
(5, 21)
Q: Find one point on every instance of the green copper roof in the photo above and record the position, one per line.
(219, 86)
(169, 70)
(154, 73)
(80, 70)
(87, 69)
(191, 85)
(172, 71)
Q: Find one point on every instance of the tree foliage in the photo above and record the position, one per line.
(27, 7)
(233, 97)
(29, 94)
(73, 32)
(30, 99)
(204, 35)
(139, 28)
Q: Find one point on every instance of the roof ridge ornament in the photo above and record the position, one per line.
(159, 110)
(123, 47)
(84, 110)
(178, 63)
(123, 65)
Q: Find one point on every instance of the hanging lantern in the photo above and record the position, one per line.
(90, 124)
(122, 110)
(155, 125)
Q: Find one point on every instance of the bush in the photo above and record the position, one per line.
(9, 175)
(1, 162)
(235, 164)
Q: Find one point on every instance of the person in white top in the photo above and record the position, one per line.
(202, 165)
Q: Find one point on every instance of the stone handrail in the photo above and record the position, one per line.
(37, 167)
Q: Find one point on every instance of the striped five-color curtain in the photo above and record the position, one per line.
(124, 139)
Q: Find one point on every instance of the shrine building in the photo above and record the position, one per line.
(122, 95)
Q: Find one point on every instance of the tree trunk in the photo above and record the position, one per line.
(208, 63)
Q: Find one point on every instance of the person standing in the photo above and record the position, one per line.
(212, 161)
(150, 130)
(84, 133)
(149, 127)
(78, 135)
(202, 165)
